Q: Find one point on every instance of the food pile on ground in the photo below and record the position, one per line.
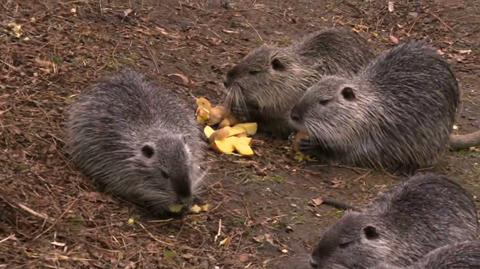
(230, 136)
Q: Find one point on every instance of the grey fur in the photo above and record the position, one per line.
(464, 255)
(396, 114)
(400, 226)
(108, 128)
(266, 84)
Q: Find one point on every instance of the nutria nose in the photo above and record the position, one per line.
(227, 83)
(295, 114)
(313, 263)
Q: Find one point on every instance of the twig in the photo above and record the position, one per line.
(154, 237)
(259, 36)
(35, 213)
(219, 232)
(441, 21)
(154, 59)
(12, 236)
(56, 220)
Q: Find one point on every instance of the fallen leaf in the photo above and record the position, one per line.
(243, 257)
(394, 39)
(317, 201)
(187, 256)
(390, 6)
(127, 12)
(183, 79)
(16, 29)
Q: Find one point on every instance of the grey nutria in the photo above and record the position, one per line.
(464, 255)
(266, 84)
(400, 226)
(396, 114)
(136, 140)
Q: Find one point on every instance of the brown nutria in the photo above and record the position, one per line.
(400, 226)
(396, 114)
(464, 255)
(266, 84)
(137, 141)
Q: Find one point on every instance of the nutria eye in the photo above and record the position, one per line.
(278, 65)
(147, 151)
(370, 232)
(348, 93)
(253, 72)
(323, 101)
(164, 174)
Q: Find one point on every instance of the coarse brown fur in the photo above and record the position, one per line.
(266, 84)
(396, 114)
(400, 226)
(137, 141)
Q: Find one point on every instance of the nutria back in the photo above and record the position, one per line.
(266, 84)
(396, 114)
(464, 255)
(400, 226)
(136, 140)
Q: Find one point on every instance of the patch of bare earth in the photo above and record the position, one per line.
(262, 210)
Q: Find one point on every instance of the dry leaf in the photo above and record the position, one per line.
(394, 39)
(243, 257)
(180, 78)
(317, 201)
(390, 6)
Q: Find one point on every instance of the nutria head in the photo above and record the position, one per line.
(267, 83)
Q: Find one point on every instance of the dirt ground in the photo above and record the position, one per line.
(262, 210)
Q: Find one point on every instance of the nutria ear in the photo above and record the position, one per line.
(348, 93)
(148, 151)
(370, 232)
(277, 65)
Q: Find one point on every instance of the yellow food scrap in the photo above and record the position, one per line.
(228, 121)
(175, 208)
(195, 209)
(249, 127)
(131, 221)
(203, 102)
(237, 130)
(228, 138)
(220, 134)
(216, 115)
(202, 115)
(224, 145)
(208, 131)
(243, 149)
(199, 208)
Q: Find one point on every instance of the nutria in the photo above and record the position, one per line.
(400, 226)
(464, 255)
(396, 114)
(137, 141)
(266, 84)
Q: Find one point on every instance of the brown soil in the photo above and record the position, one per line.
(52, 217)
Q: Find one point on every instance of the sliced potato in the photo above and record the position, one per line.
(195, 209)
(202, 115)
(220, 134)
(175, 208)
(243, 149)
(244, 140)
(249, 127)
(216, 115)
(208, 131)
(228, 121)
(236, 130)
(203, 102)
(224, 145)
